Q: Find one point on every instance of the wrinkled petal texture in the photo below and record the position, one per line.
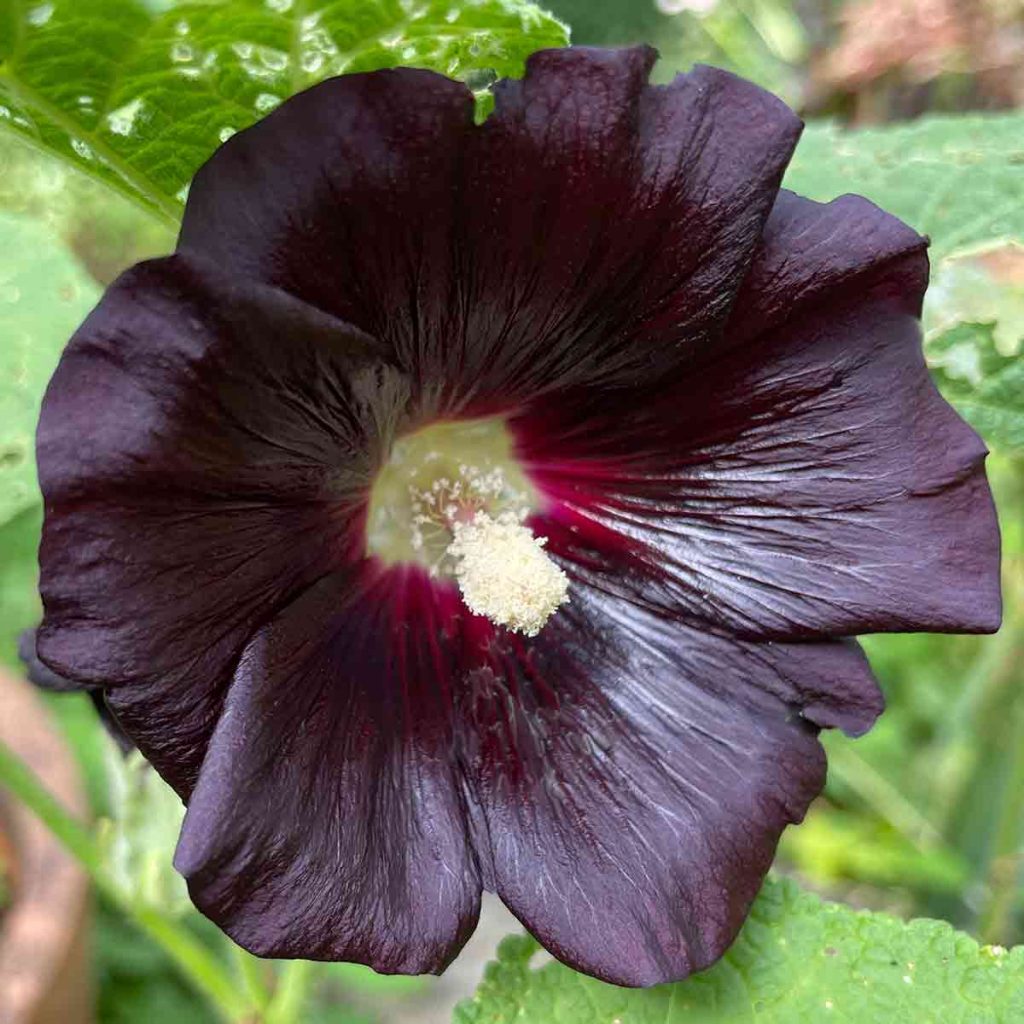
(717, 388)
(231, 433)
(359, 850)
(634, 777)
(621, 783)
(805, 478)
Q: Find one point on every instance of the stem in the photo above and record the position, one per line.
(22, 782)
(722, 40)
(290, 997)
(253, 975)
(887, 801)
(196, 963)
(1005, 866)
(779, 28)
(992, 673)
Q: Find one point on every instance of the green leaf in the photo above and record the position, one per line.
(957, 179)
(798, 959)
(980, 287)
(44, 294)
(106, 232)
(19, 599)
(986, 386)
(974, 340)
(139, 99)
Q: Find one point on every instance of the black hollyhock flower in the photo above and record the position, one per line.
(393, 351)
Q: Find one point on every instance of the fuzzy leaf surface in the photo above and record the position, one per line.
(957, 179)
(798, 959)
(985, 384)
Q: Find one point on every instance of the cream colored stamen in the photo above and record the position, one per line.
(505, 574)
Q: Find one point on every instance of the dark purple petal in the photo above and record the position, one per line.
(590, 231)
(607, 223)
(110, 722)
(634, 777)
(344, 196)
(719, 390)
(46, 679)
(329, 820)
(620, 781)
(205, 447)
(39, 674)
(808, 480)
(815, 253)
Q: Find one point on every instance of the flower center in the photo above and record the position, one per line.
(453, 499)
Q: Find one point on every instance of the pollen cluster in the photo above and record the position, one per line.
(505, 574)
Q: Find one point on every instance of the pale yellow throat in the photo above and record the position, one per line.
(453, 499)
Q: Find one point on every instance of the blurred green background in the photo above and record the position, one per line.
(925, 815)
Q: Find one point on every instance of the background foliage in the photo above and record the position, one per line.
(106, 109)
